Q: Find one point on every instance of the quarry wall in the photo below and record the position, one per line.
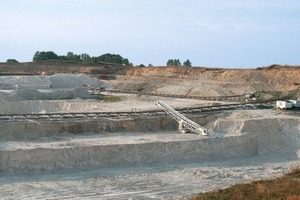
(31, 129)
(253, 137)
(279, 77)
(118, 155)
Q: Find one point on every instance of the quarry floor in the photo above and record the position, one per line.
(146, 163)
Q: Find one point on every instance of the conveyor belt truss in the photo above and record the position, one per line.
(185, 124)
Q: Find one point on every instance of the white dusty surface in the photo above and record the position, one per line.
(45, 82)
(58, 86)
(129, 103)
(275, 136)
(162, 182)
(243, 146)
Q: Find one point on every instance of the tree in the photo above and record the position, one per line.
(111, 58)
(126, 61)
(187, 63)
(72, 57)
(85, 57)
(173, 62)
(141, 65)
(50, 55)
(177, 62)
(38, 56)
(45, 55)
(170, 62)
(63, 58)
(12, 61)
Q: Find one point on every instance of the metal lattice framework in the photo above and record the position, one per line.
(181, 119)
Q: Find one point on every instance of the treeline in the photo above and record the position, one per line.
(86, 58)
(70, 56)
(176, 62)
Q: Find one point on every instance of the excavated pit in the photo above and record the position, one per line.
(143, 157)
(132, 157)
(44, 145)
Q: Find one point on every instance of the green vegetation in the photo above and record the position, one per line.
(86, 58)
(286, 187)
(108, 58)
(12, 61)
(45, 55)
(173, 62)
(176, 62)
(141, 65)
(187, 63)
(274, 95)
(108, 98)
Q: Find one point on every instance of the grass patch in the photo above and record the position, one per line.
(273, 95)
(286, 187)
(109, 98)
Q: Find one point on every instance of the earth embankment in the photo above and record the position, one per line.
(209, 82)
(175, 80)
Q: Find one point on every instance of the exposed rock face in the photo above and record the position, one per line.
(176, 80)
(60, 145)
(209, 82)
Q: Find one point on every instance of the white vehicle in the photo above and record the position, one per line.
(284, 105)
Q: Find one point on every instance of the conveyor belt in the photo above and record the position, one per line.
(184, 121)
(59, 116)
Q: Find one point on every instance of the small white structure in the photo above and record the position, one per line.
(295, 103)
(284, 104)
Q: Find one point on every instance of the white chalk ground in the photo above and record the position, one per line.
(164, 182)
(129, 103)
(278, 149)
(58, 86)
(169, 181)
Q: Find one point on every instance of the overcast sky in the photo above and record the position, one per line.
(211, 33)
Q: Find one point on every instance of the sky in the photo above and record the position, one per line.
(210, 33)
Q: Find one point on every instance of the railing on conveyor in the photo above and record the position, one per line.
(184, 122)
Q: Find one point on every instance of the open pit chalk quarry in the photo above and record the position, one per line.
(132, 155)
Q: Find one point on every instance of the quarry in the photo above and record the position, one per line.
(60, 138)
